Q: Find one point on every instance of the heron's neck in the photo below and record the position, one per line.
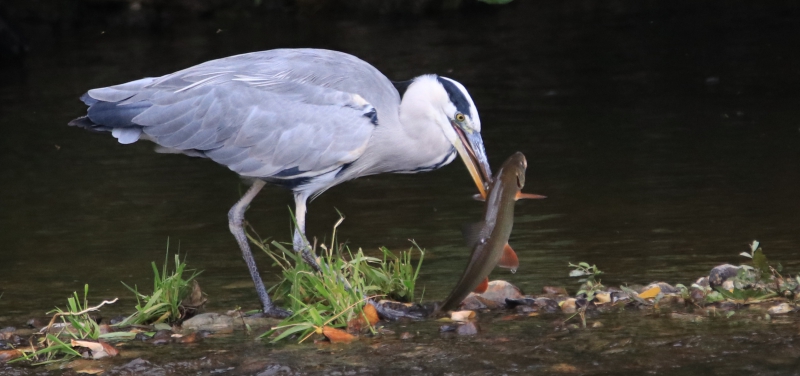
(410, 140)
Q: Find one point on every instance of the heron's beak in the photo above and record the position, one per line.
(470, 148)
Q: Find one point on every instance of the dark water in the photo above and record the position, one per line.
(664, 134)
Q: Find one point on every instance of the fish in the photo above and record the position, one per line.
(488, 238)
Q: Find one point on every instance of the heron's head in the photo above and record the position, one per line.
(449, 105)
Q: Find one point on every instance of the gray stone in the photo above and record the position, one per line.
(213, 322)
(467, 329)
(275, 369)
(720, 273)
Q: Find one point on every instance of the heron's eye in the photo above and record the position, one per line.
(460, 117)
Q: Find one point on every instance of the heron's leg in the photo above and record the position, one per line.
(300, 245)
(235, 222)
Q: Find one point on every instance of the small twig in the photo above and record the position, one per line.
(87, 310)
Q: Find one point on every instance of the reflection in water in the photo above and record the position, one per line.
(665, 140)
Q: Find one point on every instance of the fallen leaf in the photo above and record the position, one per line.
(358, 323)
(650, 293)
(6, 355)
(337, 335)
(371, 313)
(91, 371)
(99, 349)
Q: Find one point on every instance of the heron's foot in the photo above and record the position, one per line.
(273, 312)
(308, 257)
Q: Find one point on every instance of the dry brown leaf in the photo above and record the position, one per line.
(99, 349)
(337, 335)
(371, 313)
(6, 355)
(91, 371)
(358, 323)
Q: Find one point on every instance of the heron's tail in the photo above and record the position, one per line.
(112, 110)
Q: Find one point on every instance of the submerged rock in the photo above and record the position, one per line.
(138, 366)
(780, 309)
(467, 329)
(275, 369)
(212, 322)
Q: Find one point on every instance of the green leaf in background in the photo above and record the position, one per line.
(760, 263)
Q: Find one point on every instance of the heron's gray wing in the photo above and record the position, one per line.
(282, 70)
(304, 132)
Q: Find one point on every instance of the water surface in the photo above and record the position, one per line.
(664, 135)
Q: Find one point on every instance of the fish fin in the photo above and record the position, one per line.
(478, 197)
(472, 233)
(483, 286)
(528, 196)
(509, 259)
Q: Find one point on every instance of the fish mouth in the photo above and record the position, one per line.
(470, 149)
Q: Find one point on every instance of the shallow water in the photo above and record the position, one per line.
(664, 135)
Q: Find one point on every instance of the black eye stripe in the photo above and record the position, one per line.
(456, 96)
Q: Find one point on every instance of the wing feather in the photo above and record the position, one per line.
(273, 114)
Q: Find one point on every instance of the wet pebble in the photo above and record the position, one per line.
(720, 273)
(602, 297)
(192, 337)
(116, 320)
(448, 328)
(275, 369)
(473, 302)
(569, 305)
(138, 366)
(467, 329)
(698, 296)
(728, 285)
(406, 335)
(497, 293)
(550, 290)
(527, 305)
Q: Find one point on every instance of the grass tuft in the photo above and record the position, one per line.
(337, 294)
(163, 305)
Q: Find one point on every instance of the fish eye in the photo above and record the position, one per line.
(460, 117)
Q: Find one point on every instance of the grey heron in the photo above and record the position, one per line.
(304, 119)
